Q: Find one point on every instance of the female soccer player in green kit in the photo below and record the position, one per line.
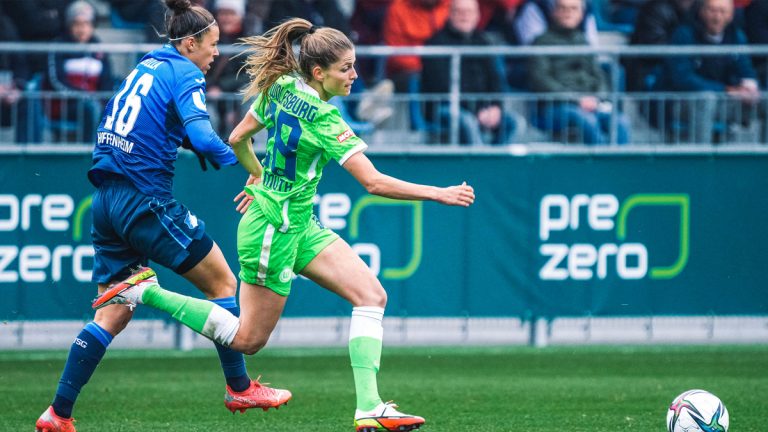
(278, 234)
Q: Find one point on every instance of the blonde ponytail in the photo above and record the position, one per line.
(271, 56)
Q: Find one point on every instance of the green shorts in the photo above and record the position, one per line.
(269, 257)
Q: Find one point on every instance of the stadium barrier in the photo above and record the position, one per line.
(654, 118)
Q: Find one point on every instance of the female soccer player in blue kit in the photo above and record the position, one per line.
(135, 217)
(278, 235)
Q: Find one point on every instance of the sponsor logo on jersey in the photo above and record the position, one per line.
(345, 135)
(199, 99)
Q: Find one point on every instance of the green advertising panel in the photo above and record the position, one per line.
(608, 235)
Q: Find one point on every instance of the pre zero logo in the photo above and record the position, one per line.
(49, 257)
(604, 212)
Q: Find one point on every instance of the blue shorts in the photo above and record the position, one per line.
(130, 228)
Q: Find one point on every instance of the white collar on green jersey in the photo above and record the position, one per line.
(306, 88)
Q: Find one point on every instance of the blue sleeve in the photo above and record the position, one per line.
(189, 97)
(743, 65)
(207, 142)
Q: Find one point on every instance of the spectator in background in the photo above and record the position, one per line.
(728, 75)
(224, 76)
(39, 21)
(497, 18)
(134, 12)
(320, 12)
(367, 21)
(478, 118)
(256, 14)
(366, 24)
(411, 23)
(532, 20)
(14, 74)
(585, 114)
(79, 73)
(535, 16)
(756, 27)
(740, 7)
(656, 22)
(626, 11)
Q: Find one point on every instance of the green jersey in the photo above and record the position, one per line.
(304, 134)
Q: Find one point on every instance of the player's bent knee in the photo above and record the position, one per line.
(252, 346)
(113, 319)
(249, 343)
(372, 296)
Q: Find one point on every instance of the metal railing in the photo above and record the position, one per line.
(649, 119)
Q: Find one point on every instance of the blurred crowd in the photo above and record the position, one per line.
(730, 84)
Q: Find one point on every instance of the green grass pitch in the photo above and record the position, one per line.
(573, 389)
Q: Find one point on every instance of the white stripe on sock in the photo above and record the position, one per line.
(366, 322)
(221, 326)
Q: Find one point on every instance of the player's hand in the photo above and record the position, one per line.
(461, 195)
(589, 103)
(489, 117)
(244, 198)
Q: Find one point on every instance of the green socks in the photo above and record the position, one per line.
(365, 335)
(202, 316)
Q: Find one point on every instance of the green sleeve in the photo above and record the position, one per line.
(338, 139)
(257, 110)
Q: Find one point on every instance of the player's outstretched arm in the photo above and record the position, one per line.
(380, 184)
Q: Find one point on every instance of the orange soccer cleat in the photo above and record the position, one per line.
(255, 396)
(50, 422)
(386, 418)
(122, 292)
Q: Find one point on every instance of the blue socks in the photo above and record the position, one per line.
(232, 362)
(90, 345)
(85, 354)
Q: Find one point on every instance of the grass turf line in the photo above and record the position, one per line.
(591, 389)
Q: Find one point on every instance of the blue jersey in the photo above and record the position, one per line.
(143, 123)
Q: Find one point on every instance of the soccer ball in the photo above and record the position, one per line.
(697, 411)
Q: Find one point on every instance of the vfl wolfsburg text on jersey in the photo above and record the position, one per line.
(292, 103)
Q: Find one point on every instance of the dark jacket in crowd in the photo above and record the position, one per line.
(132, 10)
(578, 73)
(15, 63)
(756, 27)
(706, 73)
(319, 12)
(656, 21)
(478, 74)
(44, 19)
(37, 21)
